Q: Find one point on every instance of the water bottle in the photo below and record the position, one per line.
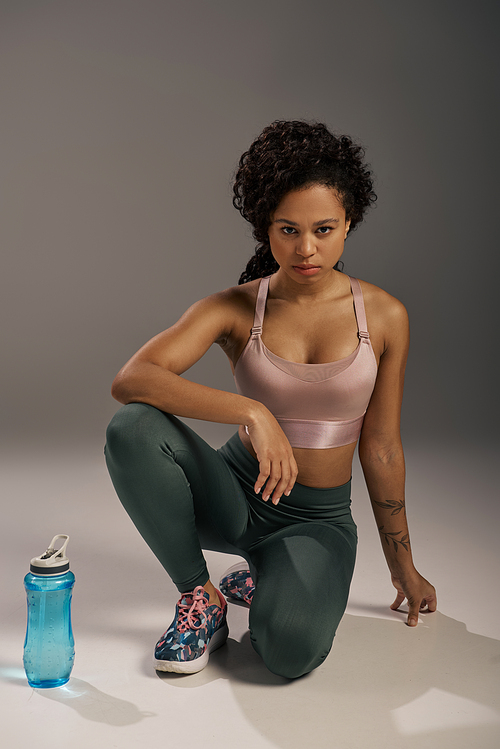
(49, 648)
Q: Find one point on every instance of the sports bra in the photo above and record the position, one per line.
(317, 405)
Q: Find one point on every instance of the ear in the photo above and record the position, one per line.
(347, 225)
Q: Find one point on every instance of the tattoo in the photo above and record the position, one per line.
(390, 536)
(394, 505)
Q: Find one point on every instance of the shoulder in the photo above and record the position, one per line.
(231, 307)
(233, 298)
(238, 296)
(381, 305)
(386, 316)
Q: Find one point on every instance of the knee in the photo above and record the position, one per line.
(129, 428)
(291, 651)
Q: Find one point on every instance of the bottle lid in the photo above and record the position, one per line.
(54, 561)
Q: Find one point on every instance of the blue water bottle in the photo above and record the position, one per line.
(49, 648)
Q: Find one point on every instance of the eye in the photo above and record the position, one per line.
(288, 230)
(325, 229)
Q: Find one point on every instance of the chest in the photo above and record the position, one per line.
(310, 334)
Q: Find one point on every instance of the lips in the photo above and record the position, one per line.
(306, 270)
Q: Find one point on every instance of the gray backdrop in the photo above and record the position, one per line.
(122, 123)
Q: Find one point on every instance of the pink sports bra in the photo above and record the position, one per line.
(317, 405)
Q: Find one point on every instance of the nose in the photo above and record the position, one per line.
(306, 247)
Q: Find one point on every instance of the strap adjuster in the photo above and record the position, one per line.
(256, 331)
(364, 334)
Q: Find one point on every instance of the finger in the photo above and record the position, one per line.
(294, 472)
(412, 620)
(431, 602)
(264, 469)
(398, 601)
(282, 484)
(413, 609)
(271, 482)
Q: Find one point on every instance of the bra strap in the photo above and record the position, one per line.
(359, 308)
(260, 307)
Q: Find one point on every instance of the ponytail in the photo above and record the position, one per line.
(261, 264)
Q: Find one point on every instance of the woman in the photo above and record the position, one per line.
(318, 358)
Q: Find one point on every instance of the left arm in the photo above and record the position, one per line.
(382, 460)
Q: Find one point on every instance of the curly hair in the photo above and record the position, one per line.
(288, 155)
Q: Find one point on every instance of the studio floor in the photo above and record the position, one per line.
(383, 685)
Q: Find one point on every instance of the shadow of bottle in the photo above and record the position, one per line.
(94, 705)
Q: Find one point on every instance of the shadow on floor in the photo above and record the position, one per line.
(85, 699)
(433, 686)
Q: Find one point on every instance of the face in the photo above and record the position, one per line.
(307, 232)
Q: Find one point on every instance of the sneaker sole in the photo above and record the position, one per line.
(197, 664)
(238, 567)
(237, 602)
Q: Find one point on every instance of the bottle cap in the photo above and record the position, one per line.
(54, 561)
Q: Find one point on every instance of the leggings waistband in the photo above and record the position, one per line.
(331, 501)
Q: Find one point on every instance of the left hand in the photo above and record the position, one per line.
(418, 592)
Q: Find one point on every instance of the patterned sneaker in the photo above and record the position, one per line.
(196, 630)
(237, 585)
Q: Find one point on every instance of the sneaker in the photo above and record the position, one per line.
(237, 585)
(196, 630)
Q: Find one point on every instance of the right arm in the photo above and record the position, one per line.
(153, 376)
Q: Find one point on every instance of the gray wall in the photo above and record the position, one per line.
(122, 123)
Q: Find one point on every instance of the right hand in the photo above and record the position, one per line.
(277, 466)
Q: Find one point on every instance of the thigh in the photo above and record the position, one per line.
(220, 504)
(153, 456)
(303, 578)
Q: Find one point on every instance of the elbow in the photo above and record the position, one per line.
(133, 383)
(380, 452)
(116, 392)
(119, 389)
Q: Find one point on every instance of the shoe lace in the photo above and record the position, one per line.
(192, 610)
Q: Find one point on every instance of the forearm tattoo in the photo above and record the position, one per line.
(393, 504)
(390, 536)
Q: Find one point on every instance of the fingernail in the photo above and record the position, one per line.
(287, 494)
(265, 498)
(275, 501)
(412, 621)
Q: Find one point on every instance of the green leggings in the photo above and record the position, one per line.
(183, 496)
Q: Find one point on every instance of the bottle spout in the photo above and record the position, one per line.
(54, 561)
(51, 551)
